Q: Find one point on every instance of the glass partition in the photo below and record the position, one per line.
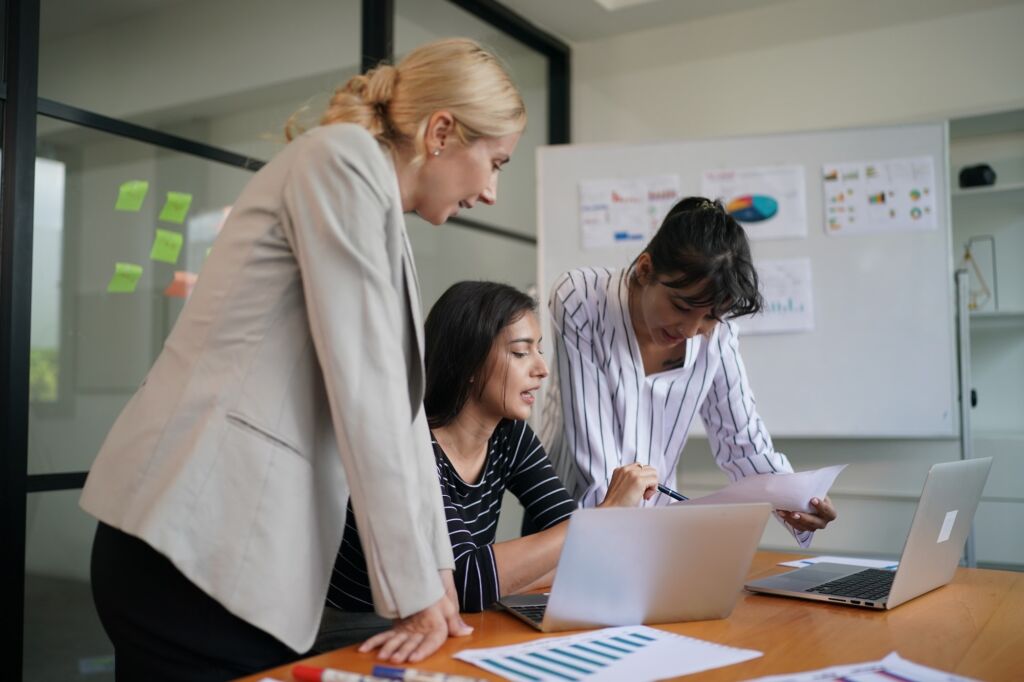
(121, 230)
(223, 72)
(63, 638)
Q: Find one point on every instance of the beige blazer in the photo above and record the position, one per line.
(292, 379)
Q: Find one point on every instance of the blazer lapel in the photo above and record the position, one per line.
(414, 305)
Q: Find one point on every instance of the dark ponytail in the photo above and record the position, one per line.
(699, 244)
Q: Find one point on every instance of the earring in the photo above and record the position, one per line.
(437, 152)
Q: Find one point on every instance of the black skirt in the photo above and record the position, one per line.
(163, 627)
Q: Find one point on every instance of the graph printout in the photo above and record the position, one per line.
(892, 668)
(788, 301)
(625, 210)
(770, 202)
(879, 196)
(634, 653)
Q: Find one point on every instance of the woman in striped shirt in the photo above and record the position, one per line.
(484, 366)
(642, 350)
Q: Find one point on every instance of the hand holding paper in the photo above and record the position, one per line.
(789, 492)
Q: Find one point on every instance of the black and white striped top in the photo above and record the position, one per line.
(516, 461)
(603, 411)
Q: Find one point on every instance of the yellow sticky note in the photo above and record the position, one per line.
(181, 285)
(130, 195)
(166, 246)
(126, 277)
(176, 207)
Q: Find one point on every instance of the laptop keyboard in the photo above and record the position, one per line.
(532, 613)
(872, 584)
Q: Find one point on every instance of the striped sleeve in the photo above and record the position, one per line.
(587, 410)
(476, 572)
(736, 433)
(534, 483)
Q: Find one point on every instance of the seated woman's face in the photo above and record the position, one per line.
(514, 370)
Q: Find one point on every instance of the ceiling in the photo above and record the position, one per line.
(574, 20)
(581, 20)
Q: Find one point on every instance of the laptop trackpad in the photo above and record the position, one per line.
(809, 576)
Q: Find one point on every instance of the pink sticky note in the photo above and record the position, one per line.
(181, 285)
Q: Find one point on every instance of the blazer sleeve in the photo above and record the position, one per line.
(335, 211)
(737, 435)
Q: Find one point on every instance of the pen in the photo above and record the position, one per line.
(672, 493)
(308, 673)
(412, 675)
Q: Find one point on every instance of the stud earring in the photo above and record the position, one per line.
(437, 152)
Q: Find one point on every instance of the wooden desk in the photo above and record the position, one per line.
(974, 627)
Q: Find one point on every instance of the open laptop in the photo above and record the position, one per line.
(647, 565)
(930, 555)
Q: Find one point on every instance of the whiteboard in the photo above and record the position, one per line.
(881, 358)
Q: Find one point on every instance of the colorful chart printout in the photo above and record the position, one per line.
(894, 195)
(624, 211)
(770, 202)
(788, 303)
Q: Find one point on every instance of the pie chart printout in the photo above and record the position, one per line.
(752, 208)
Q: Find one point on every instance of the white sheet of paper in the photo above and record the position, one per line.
(891, 667)
(624, 210)
(632, 652)
(790, 492)
(886, 564)
(788, 298)
(891, 195)
(745, 192)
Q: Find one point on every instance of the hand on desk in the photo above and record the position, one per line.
(825, 513)
(630, 484)
(414, 638)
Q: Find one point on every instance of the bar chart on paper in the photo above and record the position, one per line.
(634, 652)
(788, 307)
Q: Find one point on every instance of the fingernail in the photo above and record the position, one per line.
(815, 501)
(796, 517)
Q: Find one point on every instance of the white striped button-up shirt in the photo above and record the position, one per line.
(604, 411)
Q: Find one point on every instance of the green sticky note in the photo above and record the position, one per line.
(166, 246)
(126, 277)
(130, 195)
(176, 207)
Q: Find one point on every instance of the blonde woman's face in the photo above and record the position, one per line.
(461, 176)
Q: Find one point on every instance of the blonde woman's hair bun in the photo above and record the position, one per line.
(456, 75)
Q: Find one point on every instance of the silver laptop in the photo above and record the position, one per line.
(930, 555)
(647, 565)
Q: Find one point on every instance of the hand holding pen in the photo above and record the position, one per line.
(630, 484)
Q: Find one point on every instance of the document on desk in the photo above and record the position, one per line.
(892, 667)
(791, 492)
(884, 564)
(633, 653)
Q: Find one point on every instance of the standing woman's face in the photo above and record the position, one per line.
(514, 370)
(665, 315)
(460, 175)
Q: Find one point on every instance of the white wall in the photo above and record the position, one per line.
(813, 64)
(807, 64)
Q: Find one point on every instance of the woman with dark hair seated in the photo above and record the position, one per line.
(484, 367)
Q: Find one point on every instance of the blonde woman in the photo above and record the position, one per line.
(292, 381)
